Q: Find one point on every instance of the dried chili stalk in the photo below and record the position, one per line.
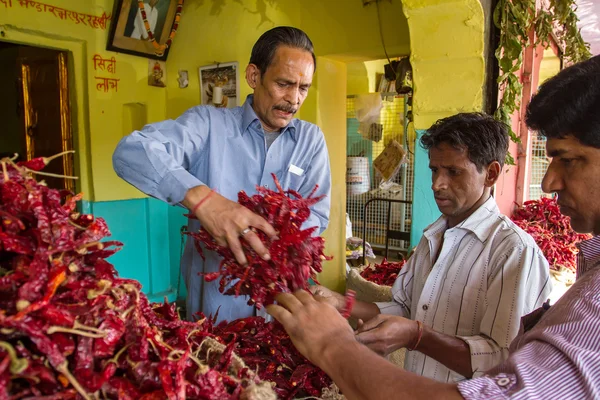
(296, 255)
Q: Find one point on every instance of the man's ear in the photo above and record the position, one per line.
(492, 173)
(252, 75)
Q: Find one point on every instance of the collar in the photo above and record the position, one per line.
(249, 117)
(589, 255)
(481, 222)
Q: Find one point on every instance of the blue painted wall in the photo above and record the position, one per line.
(425, 211)
(150, 231)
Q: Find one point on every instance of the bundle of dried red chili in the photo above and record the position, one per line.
(70, 328)
(267, 348)
(551, 231)
(296, 255)
(383, 274)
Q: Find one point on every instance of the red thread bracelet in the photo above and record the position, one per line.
(197, 206)
(419, 336)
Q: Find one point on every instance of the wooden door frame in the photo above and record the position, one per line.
(77, 96)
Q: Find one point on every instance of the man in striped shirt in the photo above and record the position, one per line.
(557, 353)
(474, 274)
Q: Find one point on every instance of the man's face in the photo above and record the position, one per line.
(458, 187)
(573, 175)
(281, 90)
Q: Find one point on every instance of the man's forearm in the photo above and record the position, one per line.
(365, 311)
(451, 351)
(351, 366)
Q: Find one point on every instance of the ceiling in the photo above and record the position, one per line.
(588, 12)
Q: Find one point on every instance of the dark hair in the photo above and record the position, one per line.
(569, 104)
(266, 45)
(484, 138)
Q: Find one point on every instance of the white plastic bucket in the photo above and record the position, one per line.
(357, 175)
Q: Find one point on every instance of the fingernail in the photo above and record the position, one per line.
(266, 256)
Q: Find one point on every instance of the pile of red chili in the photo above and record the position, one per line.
(296, 255)
(383, 274)
(551, 231)
(71, 328)
(266, 348)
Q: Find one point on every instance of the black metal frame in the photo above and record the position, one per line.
(389, 233)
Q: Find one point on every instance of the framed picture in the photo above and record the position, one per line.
(128, 33)
(220, 85)
(157, 73)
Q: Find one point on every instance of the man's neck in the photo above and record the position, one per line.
(453, 221)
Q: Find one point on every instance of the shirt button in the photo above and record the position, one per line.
(425, 307)
(169, 200)
(503, 382)
(267, 186)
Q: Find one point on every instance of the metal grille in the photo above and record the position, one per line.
(392, 119)
(539, 164)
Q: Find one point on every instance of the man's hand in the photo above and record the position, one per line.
(385, 334)
(227, 221)
(328, 296)
(313, 326)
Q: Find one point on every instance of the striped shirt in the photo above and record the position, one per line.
(489, 273)
(559, 358)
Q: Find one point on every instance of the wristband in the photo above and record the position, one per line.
(419, 336)
(197, 206)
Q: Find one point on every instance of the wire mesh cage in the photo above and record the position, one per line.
(538, 166)
(363, 183)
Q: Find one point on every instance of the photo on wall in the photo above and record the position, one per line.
(129, 33)
(157, 73)
(220, 85)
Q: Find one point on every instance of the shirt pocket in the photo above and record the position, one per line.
(295, 177)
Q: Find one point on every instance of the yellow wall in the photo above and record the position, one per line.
(549, 66)
(446, 39)
(97, 115)
(362, 75)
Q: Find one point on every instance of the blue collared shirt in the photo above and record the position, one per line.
(224, 149)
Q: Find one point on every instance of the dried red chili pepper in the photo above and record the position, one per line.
(551, 230)
(296, 255)
(383, 274)
(63, 305)
(349, 303)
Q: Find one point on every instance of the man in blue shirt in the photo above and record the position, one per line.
(205, 157)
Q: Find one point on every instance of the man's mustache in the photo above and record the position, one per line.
(284, 108)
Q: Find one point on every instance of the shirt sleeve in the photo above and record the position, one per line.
(539, 370)
(319, 173)
(156, 159)
(403, 286)
(519, 283)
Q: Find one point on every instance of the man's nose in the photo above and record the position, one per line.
(552, 181)
(438, 182)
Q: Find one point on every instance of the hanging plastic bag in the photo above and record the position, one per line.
(368, 108)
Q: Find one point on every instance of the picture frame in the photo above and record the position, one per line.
(222, 79)
(128, 34)
(157, 73)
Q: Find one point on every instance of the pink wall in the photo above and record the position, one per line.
(506, 186)
(513, 185)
